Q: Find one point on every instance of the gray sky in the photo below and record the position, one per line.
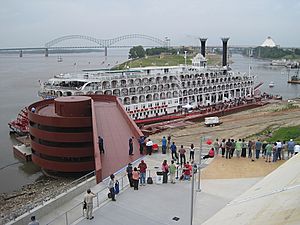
(32, 23)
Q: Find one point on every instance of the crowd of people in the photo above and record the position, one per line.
(180, 167)
(271, 152)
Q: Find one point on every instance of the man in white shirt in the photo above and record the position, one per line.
(111, 187)
(278, 149)
(88, 198)
(149, 145)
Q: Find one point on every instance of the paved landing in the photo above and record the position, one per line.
(159, 204)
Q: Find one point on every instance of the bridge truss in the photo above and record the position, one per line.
(106, 43)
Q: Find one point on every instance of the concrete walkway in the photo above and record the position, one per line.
(156, 203)
(159, 204)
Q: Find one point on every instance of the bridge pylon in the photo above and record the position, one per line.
(105, 51)
(46, 52)
(21, 53)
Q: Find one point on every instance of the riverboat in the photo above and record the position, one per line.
(280, 62)
(295, 79)
(20, 125)
(154, 91)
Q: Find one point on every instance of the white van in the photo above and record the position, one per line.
(212, 121)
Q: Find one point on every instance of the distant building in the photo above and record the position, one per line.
(268, 43)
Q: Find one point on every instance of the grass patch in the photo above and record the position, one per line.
(285, 134)
(262, 135)
(288, 106)
(274, 133)
(165, 60)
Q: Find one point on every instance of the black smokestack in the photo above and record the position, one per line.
(224, 40)
(203, 40)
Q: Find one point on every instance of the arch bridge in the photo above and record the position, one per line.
(104, 43)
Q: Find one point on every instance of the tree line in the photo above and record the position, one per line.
(274, 53)
(139, 52)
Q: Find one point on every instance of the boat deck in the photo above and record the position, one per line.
(113, 127)
(22, 151)
(103, 115)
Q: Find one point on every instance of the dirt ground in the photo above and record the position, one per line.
(240, 125)
(221, 168)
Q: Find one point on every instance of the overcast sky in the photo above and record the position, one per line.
(32, 23)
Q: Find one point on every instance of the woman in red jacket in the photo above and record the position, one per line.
(210, 154)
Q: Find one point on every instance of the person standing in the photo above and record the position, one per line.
(142, 167)
(258, 146)
(135, 178)
(279, 148)
(111, 186)
(164, 145)
(88, 198)
(283, 149)
(129, 174)
(223, 147)
(101, 144)
(182, 152)
(238, 148)
(130, 142)
(165, 170)
(149, 146)
(264, 144)
(228, 149)
(33, 221)
(250, 147)
(172, 170)
(216, 146)
(174, 151)
(192, 153)
(141, 143)
(269, 149)
(169, 141)
(290, 147)
(244, 148)
(232, 147)
(275, 152)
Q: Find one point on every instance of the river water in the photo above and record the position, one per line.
(19, 86)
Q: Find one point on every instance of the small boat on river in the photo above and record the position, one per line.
(295, 79)
(271, 84)
(59, 59)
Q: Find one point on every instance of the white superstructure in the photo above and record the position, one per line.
(154, 91)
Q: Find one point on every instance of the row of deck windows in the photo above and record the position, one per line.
(164, 80)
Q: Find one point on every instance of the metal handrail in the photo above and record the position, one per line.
(123, 184)
(41, 201)
(99, 201)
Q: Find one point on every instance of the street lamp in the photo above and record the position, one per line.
(192, 192)
(199, 165)
(167, 41)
